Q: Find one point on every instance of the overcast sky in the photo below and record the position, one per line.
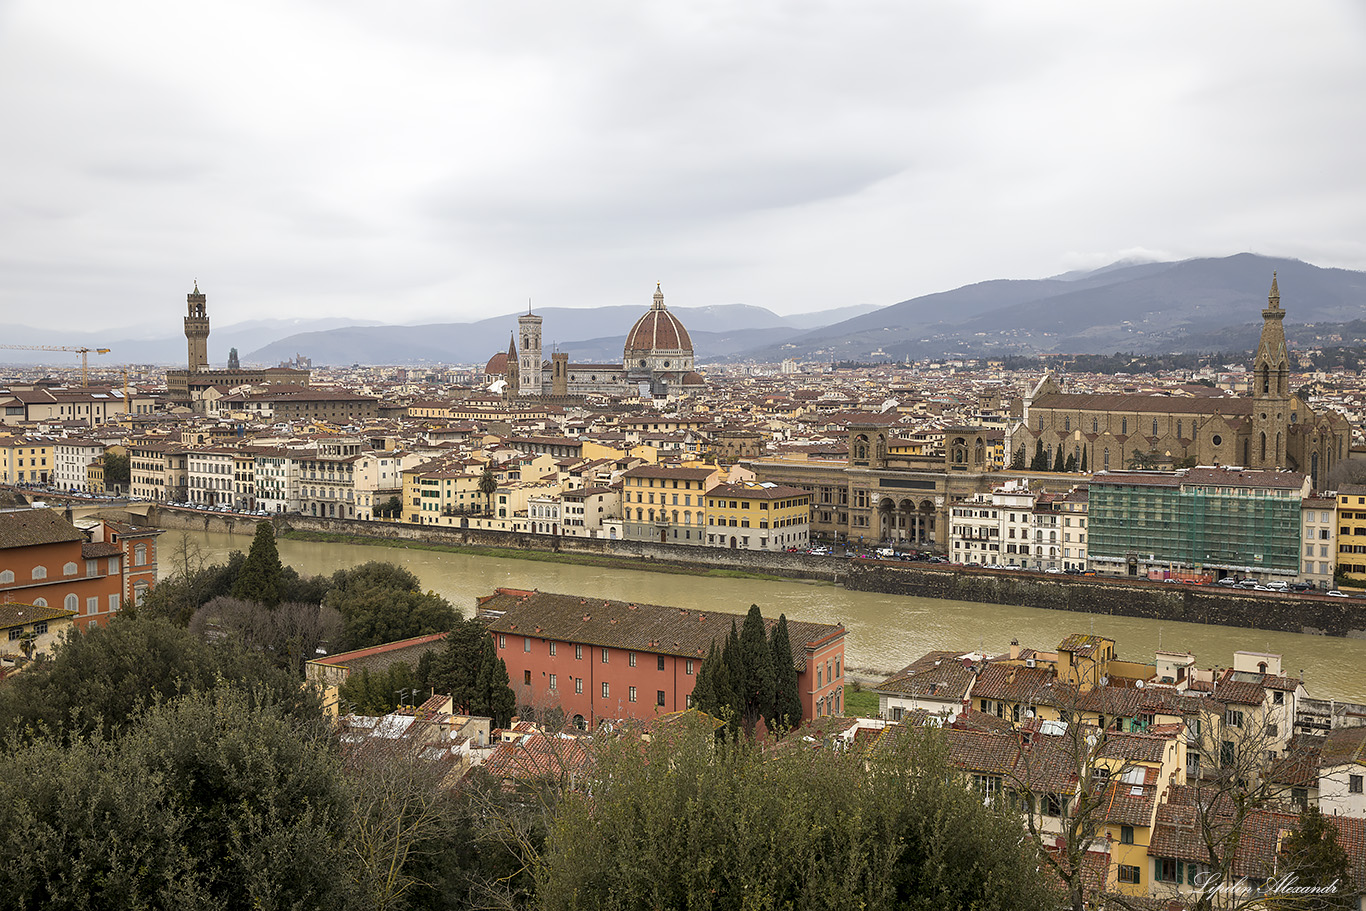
(444, 161)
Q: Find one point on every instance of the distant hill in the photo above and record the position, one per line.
(162, 344)
(1144, 307)
(596, 334)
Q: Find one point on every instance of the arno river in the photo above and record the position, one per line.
(885, 632)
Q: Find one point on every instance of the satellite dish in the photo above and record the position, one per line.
(1139, 684)
(1104, 681)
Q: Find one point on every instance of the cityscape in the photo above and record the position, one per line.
(1240, 483)
(699, 456)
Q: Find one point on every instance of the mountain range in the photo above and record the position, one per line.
(1142, 307)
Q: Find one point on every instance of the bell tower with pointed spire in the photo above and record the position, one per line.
(511, 372)
(1270, 388)
(197, 329)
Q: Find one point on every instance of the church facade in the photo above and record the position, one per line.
(1272, 428)
(657, 359)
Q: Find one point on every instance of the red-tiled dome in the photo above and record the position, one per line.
(497, 365)
(693, 379)
(657, 330)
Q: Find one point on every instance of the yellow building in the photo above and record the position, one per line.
(433, 490)
(751, 516)
(25, 460)
(1352, 531)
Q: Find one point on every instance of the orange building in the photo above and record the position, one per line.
(600, 660)
(48, 562)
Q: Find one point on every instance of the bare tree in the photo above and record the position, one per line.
(292, 632)
(400, 811)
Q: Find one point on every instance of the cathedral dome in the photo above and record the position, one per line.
(658, 331)
(497, 365)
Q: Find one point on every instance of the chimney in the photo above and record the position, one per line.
(1014, 649)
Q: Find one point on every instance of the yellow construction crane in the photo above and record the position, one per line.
(83, 350)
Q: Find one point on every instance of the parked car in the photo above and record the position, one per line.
(1334, 593)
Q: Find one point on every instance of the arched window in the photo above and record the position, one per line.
(1124, 425)
(39, 572)
(69, 569)
(40, 602)
(1154, 426)
(1264, 446)
(1178, 429)
(72, 603)
(6, 577)
(1107, 458)
(1067, 424)
(1266, 379)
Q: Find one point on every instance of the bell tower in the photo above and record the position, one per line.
(529, 327)
(1270, 388)
(197, 329)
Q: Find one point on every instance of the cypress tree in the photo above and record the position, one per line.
(1058, 462)
(1018, 462)
(704, 690)
(787, 700)
(758, 676)
(1071, 463)
(1040, 462)
(260, 576)
(1083, 460)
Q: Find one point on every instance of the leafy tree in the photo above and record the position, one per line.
(374, 616)
(260, 576)
(382, 602)
(704, 687)
(468, 669)
(787, 700)
(213, 800)
(1040, 460)
(102, 679)
(686, 821)
(759, 678)
(379, 692)
(116, 469)
(1315, 857)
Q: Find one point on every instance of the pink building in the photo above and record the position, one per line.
(599, 659)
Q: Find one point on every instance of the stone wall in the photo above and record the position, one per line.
(1096, 595)
(797, 566)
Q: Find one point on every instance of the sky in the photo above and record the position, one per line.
(441, 161)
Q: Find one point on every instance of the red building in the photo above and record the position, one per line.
(48, 562)
(599, 659)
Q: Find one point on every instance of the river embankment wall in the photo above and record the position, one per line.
(1116, 597)
(1082, 594)
(788, 565)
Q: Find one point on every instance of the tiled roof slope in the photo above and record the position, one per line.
(27, 527)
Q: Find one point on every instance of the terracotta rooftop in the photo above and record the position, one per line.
(636, 627)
